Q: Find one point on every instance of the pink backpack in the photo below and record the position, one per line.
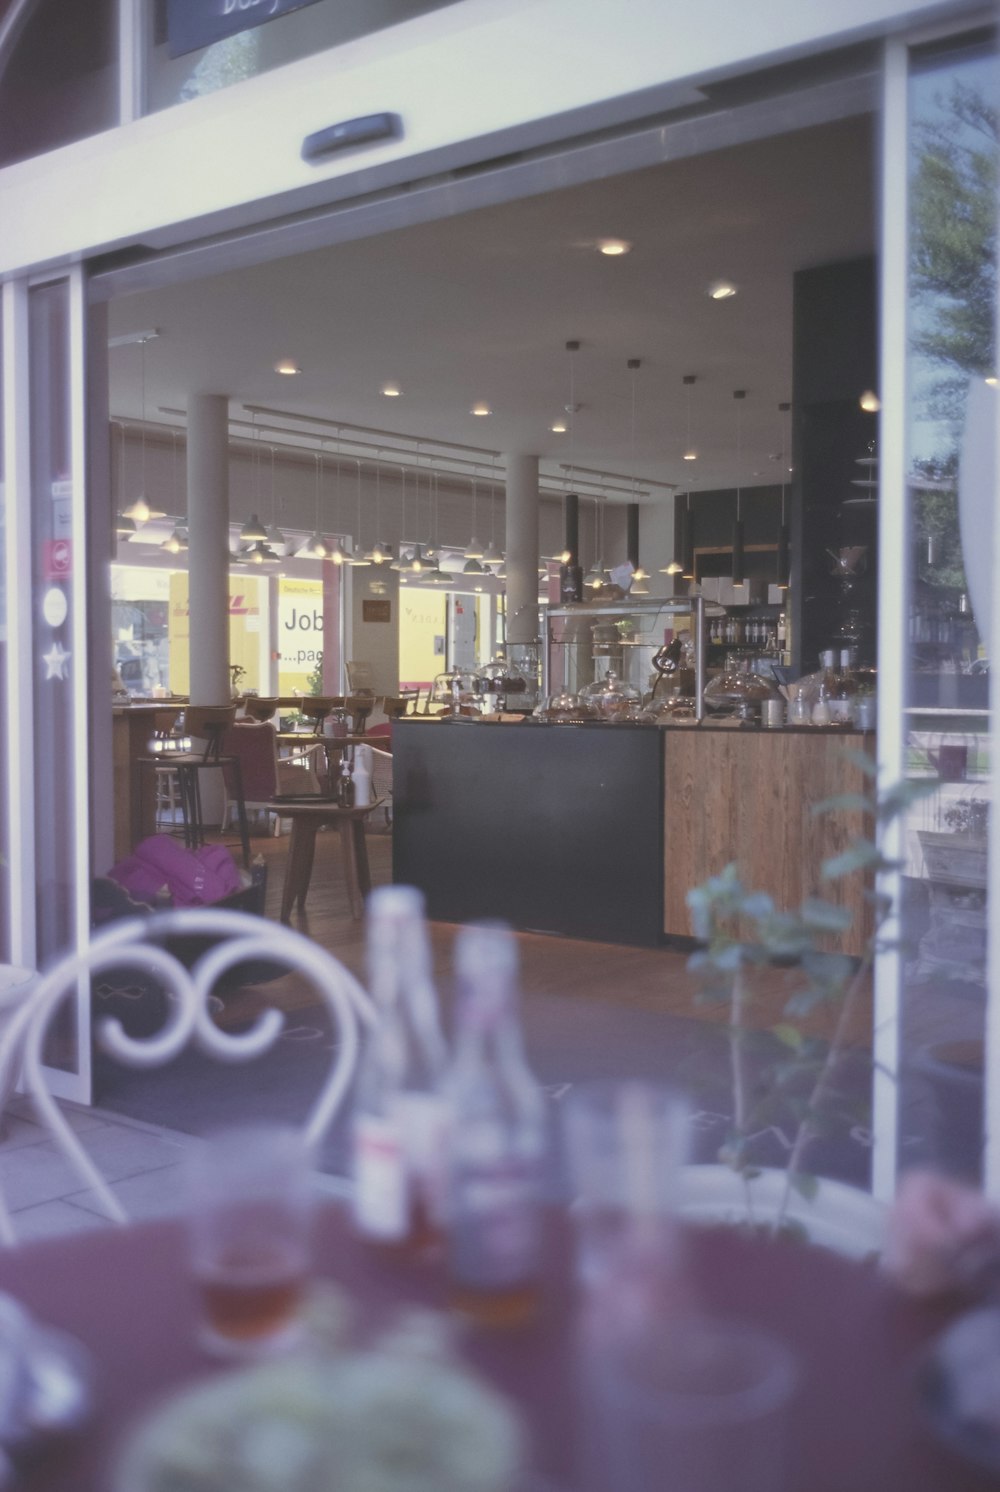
(192, 878)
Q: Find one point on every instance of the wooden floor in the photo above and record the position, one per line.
(646, 978)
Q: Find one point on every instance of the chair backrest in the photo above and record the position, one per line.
(258, 707)
(255, 743)
(211, 942)
(395, 706)
(381, 773)
(359, 707)
(360, 677)
(207, 723)
(317, 706)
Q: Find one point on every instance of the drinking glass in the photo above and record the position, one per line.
(703, 1407)
(626, 1143)
(249, 1215)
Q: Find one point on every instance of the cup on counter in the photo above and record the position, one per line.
(626, 1143)
(774, 713)
(250, 1202)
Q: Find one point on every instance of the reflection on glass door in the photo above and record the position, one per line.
(952, 414)
(5, 951)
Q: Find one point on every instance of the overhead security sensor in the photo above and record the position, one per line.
(351, 132)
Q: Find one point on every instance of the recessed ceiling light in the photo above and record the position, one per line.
(391, 390)
(992, 380)
(613, 246)
(288, 366)
(722, 289)
(870, 402)
(481, 409)
(691, 455)
(559, 428)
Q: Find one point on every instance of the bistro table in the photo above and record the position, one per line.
(855, 1423)
(308, 816)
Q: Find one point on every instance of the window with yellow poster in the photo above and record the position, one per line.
(247, 599)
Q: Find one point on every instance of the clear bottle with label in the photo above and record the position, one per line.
(845, 689)
(400, 1121)
(498, 1138)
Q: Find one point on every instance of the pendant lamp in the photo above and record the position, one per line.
(690, 451)
(595, 575)
(687, 546)
(474, 550)
(140, 510)
(275, 537)
(316, 547)
(356, 555)
(739, 577)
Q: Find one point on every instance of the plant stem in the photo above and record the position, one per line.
(804, 1132)
(737, 1000)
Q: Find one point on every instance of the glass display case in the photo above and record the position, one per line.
(583, 641)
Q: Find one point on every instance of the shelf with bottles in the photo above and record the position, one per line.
(756, 634)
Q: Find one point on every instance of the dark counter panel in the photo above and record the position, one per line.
(552, 828)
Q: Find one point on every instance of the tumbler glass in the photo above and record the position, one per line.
(249, 1215)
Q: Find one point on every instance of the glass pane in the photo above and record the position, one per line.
(952, 410)
(58, 77)
(52, 581)
(4, 818)
(313, 27)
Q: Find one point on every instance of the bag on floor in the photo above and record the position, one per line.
(192, 878)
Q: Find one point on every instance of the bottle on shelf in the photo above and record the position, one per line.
(498, 1138)
(400, 1120)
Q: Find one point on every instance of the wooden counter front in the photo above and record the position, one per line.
(745, 796)
(131, 738)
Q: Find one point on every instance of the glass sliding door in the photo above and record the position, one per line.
(941, 409)
(44, 646)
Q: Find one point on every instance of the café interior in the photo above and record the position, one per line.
(540, 548)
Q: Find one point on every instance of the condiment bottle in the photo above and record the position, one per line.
(399, 1131)
(498, 1138)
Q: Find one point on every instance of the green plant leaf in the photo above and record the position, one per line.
(826, 916)
(903, 795)
(757, 904)
(862, 855)
(865, 763)
(806, 1185)
(788, 1035)
(844, 803)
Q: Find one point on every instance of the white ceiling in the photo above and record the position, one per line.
(481, 305)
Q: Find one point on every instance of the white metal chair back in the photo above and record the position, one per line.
(235, 938)
(382, 780)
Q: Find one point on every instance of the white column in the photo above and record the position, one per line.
(208, 555)
(522, 548)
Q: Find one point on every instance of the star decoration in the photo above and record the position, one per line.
(55, 661)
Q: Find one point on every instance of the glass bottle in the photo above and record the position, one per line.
(399, 1130)
(845, 689)
(498, 1138)
(345, 784)
(824, 689)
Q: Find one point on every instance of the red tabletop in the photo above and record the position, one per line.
(856, 1423)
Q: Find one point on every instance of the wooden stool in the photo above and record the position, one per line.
(208, 723)
(307, 819)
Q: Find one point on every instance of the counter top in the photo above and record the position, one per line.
(707, 724)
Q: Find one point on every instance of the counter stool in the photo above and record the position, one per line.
(207, 723)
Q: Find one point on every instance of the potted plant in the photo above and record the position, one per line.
(789, 1073)
(955, 864)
